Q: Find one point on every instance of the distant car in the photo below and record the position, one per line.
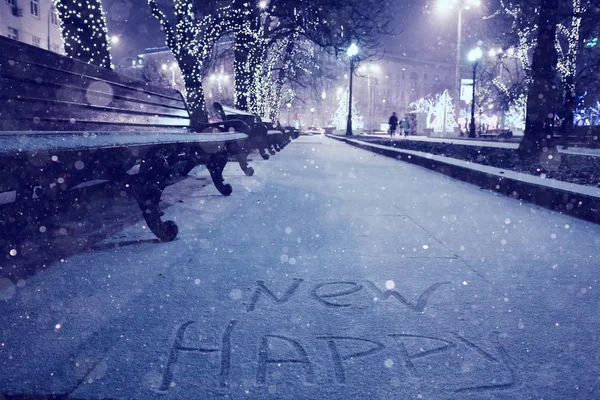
(313, 130)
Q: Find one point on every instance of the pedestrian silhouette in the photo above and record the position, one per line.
(393, 124)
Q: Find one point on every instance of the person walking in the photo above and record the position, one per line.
(405, 125)
(393, 124)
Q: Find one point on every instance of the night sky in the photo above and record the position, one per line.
(421, 31)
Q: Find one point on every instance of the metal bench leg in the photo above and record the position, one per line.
(263, 153)
(215, 167)
(147, 191)
(242, 159)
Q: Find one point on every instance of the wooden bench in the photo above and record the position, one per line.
(586, 136)
(278, 136)
(496, 133)
(261, 136)
(294, 133)
(64, 122)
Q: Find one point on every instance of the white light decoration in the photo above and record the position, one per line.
(191, 42)
(445, 120)
(340, 116)
(83, 28)
(439, 111)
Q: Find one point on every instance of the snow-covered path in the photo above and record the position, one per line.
(333, 273)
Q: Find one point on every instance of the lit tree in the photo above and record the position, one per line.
(425, 106)
(274, 34)
(581, 18)
(191, 37)
(565, 65)
(340, 117)
(445, 120)
(84, 32)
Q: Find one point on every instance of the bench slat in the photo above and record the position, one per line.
(29, 89)
(15, 51)
(49, 78)
(27, 125)
(40, 90)
(20, 142)
(23, 109)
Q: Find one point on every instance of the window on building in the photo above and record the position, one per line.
(11, 2)
(53, 17)
(34, 6)
(13, 33)
(36, 41)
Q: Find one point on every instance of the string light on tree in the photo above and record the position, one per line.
(191, 41)
(340, 116)
(83, 28)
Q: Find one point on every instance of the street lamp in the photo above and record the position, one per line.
(352, 52)
(474, 56)
(114, 39)
(370, 68)
(312, 116)
(444, 6)
(289, 107)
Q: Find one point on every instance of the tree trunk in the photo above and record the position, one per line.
(242, 74)
(543, 93)
(195, 93)
(86, 39)
(569, 106)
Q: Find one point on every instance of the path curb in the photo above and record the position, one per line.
(571, 202)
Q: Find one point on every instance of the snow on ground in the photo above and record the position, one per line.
(331, 273)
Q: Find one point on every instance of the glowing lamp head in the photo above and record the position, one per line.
(288, 105)
(444, 5)
(352, 50)
(114, 39)
(164, 67)
(475, 55)
(262, 4)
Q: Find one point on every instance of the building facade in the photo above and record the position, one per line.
(34, 22)
(380, 87)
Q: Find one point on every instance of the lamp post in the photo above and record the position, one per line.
(312, 116)
(352, 52)
(368, 69)
(445, 5)
(474, 56)
(289, 107)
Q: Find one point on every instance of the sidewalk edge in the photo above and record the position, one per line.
(569, 202)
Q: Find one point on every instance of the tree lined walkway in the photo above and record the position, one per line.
(332, 273)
